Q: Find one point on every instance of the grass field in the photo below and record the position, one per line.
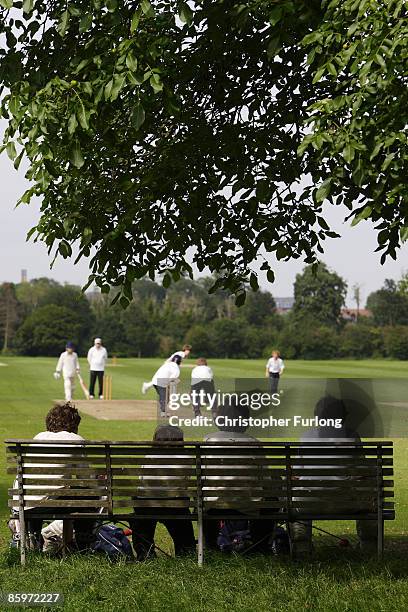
(336, 580)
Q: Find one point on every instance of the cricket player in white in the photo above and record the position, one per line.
(68, 365)
(182, 354)
(166, 376)
(202, 387)
(97, 358)
(274, 369)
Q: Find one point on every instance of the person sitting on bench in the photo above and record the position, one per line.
(260, 529)
(329, 407)
(62, 423)
(144, 525)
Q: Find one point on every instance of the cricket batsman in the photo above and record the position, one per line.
(68, 365)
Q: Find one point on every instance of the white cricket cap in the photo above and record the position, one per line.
(97, 341)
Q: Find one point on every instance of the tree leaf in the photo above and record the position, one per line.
(7, 4)
(166, 280)
(404, 233)
(111, 5)
(147, 8)
(65, 249)
(11, 150)
(376, 150)
(63, 24)
(135, 21)
(270, 275)
(85, 23)
(275, 15)
(387, 161)
(72, 124)
(83, 116)
(18, 159)
(253, 281)
(380, 61)
(156, 83)
(131, 62)
(349, 152)
(364, 214)
(240, 299)
(324, 190)
(319, 74)
(353, 28)
(273, 47)
(117, 84)
(185, 13)
(138, 116)
(108, 89)
(76, 158)
(28, 6)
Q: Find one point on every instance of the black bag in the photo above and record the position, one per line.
(280, 542)
(234, 536)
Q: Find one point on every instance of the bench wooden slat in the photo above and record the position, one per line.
(156, 492)
(74, 482)
(341, 472)
(320, 460)
(68, 492)
(216, 491)
(172, 470)
(323, 494)
(54, 471)
(153, 503)
(46, 447)
(63, 503)
(152, 461)
(357, 482)
(238, 503)
(68, 460)
(152, 450)
(220, 480)
(294, 453)
(298, 471)
(32, 451)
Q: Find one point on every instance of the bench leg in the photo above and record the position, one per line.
(288, 529)
(23, 542)
(67, 536)
(380, 539)
(200, 543)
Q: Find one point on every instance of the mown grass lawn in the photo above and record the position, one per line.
(336, 579)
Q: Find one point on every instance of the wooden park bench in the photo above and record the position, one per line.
(282, 481)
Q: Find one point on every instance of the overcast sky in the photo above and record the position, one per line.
(352, 256)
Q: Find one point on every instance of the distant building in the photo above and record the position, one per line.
(24, 277)
(351, 314)
(284, 304)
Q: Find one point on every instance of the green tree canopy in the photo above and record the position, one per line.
(165, 132)
(46, 331)
(389, 305)
(319, 296)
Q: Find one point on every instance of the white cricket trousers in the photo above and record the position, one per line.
(69, 386)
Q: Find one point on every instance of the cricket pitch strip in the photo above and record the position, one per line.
(119, 410)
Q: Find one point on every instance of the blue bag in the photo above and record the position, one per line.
(112, 541)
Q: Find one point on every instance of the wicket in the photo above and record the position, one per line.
(107, 392)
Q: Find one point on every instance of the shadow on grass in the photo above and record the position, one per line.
(333, 580)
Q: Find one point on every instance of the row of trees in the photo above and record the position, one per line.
(38, 317)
